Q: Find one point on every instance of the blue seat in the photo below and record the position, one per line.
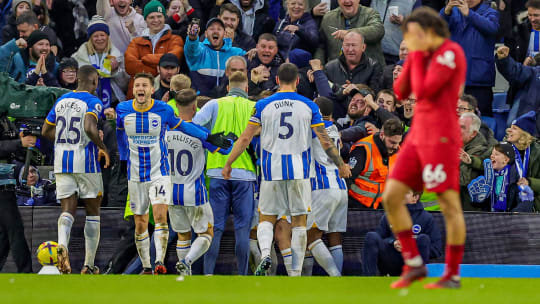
(500, 114)
(490, 121)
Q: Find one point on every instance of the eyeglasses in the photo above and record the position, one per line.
(461, 109)
(69, 71)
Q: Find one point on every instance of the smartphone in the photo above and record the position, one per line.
(195, 26)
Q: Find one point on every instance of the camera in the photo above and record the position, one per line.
(30, 130)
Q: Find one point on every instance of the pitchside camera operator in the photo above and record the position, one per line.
(11, 225)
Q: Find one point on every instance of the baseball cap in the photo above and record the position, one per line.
(212, 20)
(169, 60)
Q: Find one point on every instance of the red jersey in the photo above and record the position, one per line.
(436, 79)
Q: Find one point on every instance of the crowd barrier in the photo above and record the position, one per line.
(492, 238)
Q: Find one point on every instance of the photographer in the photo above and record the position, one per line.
(11, 225)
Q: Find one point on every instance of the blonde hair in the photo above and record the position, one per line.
(237, 80)
(525, 139)
(180, 82)
(91, 50)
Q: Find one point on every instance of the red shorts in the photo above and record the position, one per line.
(434, 165)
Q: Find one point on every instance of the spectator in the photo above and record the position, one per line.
(474, 25)
(39, 61)
(474, 143)
(297, 29)
(392, 19)
(382, 251)
(230, 114)
(143, 53)
(179, 13)
(497, 190)
(387, 100)
(408, 106)
(36, 191)
(350, 15)
(255, 18)
(68, 15)
(107, 59)
(302, 59)
(9, 31)
(527, 150)
(207, 59)
(371, 159)
(231, 16)
(27, 22)
(319, 8)
(125, 23)
(387, 80)
(353, 66)
(11, 60)
(168, 67)
(233, 64)
(67, 73)
(262, 69)
(524, 81)
(524, 41)
(468, 104)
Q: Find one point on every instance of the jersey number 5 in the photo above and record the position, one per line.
(74, 122)
(283, 123)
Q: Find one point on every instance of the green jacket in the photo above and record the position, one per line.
(479, 148)
(367, 20)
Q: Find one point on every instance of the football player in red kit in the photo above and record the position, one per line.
(435, 72)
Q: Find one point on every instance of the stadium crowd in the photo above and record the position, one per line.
(347, 51)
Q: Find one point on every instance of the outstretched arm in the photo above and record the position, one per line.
(90, 127)
(332, 151)
(240, 146)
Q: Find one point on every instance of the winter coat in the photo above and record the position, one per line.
(423, 223)
(49, 78)
(476, 34)
(260, 23)
(140, 56)
(208, 65)
(367, 20)
(119, 79)
(306, 37)
(9, 31)
(368, 72)
(519, 42)
(12, 62)
(525, 80)
(478, 147)
(271, 85)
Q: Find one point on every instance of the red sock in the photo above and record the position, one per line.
(409, 250)
(454, 256)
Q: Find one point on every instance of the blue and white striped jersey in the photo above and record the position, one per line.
(286, 119)
(326, 172)
(187, 159)
(145, 132)
(74, 152)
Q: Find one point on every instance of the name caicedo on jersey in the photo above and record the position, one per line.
(69, 104)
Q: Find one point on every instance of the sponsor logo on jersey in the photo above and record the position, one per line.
(447, 59)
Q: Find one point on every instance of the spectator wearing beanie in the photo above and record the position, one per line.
(100, 52)
(301, 59)
(9, 31)
(67, 73)
(143, 53)
(39, 60)
(124, 22)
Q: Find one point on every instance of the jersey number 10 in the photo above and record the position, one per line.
(178, 161)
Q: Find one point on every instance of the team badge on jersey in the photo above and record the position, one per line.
(448, 59)
(416, 228)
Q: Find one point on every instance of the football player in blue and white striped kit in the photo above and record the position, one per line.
(72, 126)
(329, 200)
(189, 206)
(285, 121)
(144, 122)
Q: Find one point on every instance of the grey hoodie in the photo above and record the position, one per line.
(248, 17)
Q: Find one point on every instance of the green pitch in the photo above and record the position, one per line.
(113, 289)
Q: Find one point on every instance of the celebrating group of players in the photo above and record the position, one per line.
(301, 170)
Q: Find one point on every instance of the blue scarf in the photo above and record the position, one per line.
(500, 190)
(522, 165)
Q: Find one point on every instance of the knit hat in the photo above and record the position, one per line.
(15, 3)
(97, 24)
(36, 36)
(506, 149)
(526, 122)
(299, 57)
(153, 6)
(68, 62)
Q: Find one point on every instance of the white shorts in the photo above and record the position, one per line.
(142, 194)
(285, 197)
(184, 217)
(86, 185)
(328, 210)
